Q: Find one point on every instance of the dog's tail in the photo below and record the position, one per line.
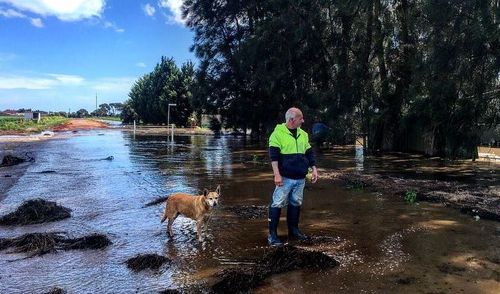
(164, 217)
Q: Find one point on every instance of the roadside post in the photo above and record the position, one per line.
(168, 120)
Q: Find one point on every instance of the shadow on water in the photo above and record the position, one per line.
(381, 243)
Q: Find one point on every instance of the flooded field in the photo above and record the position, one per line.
(383, 245)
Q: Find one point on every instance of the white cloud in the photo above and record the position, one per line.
(110, 25)
(140, 64)
(113, 84)
(66, 10)
(11, 13)
(60, 91)
(40, 82)
(19, 82)
(37, 22)
(68, 79)
(175, 8)
(149, 9)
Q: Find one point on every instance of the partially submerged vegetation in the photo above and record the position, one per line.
(9, 160)
(477, 200)
(34, 212)
(276, 260)
(42, 243)
(146, 261)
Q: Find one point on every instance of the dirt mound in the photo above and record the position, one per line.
(79, 124)
(146, 261)
(34, 212)
(42, 243)
(276, 260)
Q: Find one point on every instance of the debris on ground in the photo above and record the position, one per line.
(42, 243)
(34, 212)
(170, 291)
(157, 201)
(469, 198)
(10, 160)
(93, 241)
(249, 212)
(146, 261)
(56, 290)
(35, 243)
(276, 260)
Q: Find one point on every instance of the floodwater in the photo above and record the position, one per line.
(382, 244)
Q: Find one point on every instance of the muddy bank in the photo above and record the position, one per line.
(165, 131)
(249, 212)
(474, 199)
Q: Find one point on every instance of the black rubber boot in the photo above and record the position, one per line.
(274, 219)
(292, 219)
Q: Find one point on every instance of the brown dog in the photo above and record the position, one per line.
(194, 207)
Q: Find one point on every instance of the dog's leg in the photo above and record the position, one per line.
(170, 223)
(199, 228)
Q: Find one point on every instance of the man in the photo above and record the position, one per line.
(291, 156)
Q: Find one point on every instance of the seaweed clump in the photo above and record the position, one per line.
(35, 212)
(9, 160)
(56, 290)
(146, 261)
(277, 260)
(42, 243)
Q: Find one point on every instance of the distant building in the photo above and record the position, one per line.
(33, 116)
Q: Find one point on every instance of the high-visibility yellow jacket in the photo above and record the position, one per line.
(295, 154)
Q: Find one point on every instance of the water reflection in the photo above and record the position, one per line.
(108, 196)
(359, 158)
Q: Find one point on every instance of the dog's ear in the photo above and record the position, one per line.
(205, 192)
(218, 190)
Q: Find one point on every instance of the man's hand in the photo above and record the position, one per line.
(314, 175)
(278, 181)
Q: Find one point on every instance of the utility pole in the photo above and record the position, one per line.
(96, 103)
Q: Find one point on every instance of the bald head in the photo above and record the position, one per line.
(293, 118)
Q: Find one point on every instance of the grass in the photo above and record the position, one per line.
(21, 125)
(411, 196)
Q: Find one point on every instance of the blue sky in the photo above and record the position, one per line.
(56, 55)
